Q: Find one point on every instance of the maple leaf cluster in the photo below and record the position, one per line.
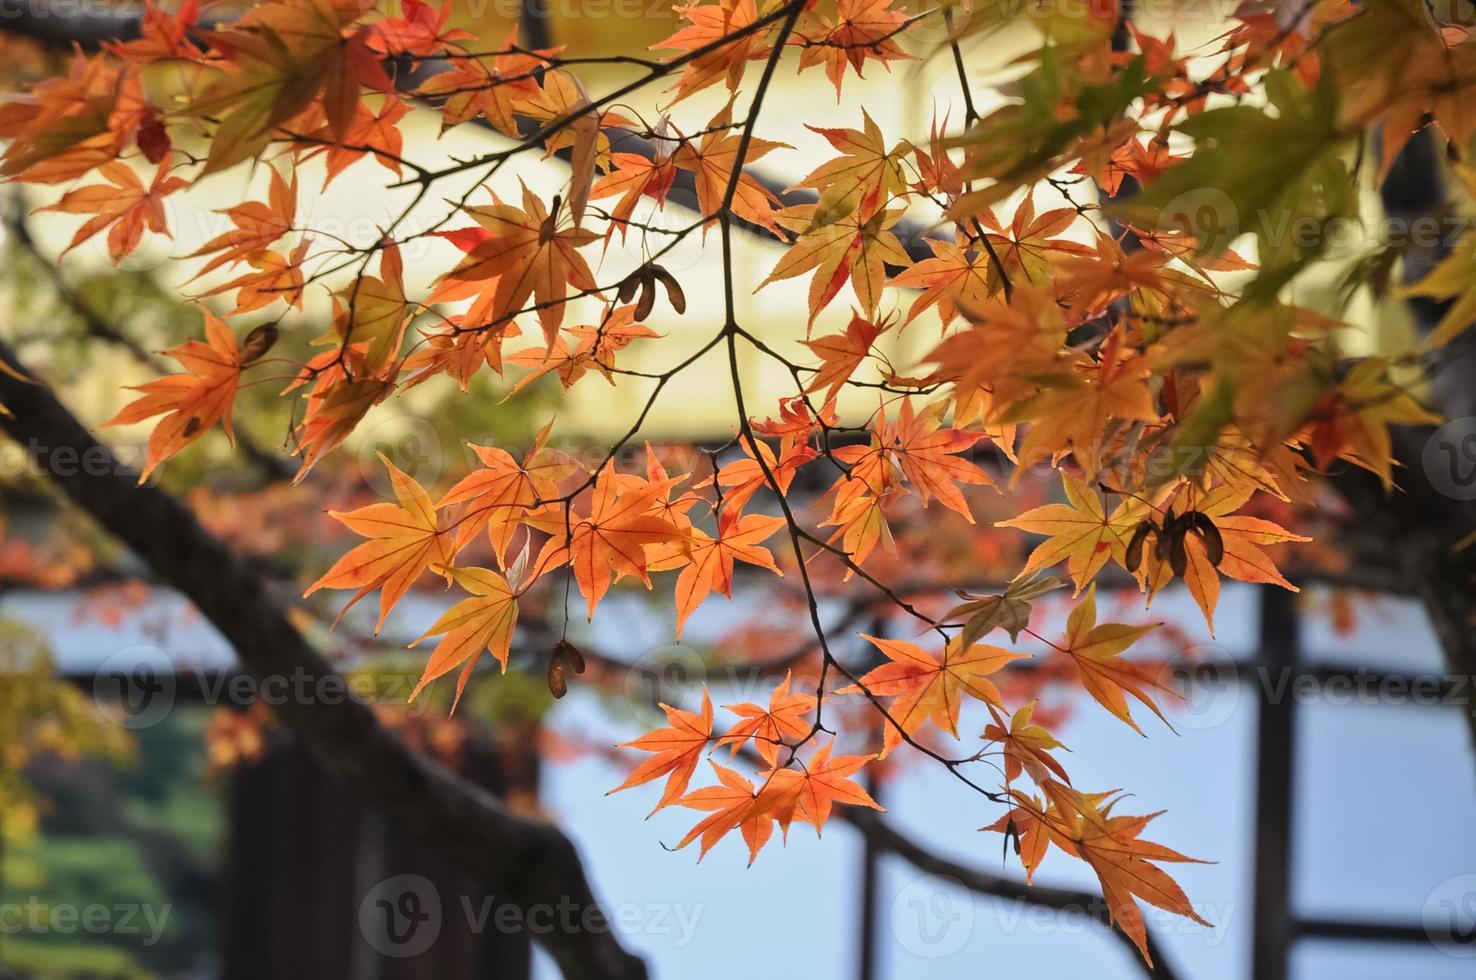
(1066, 308)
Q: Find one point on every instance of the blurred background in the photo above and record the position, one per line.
(156, 822)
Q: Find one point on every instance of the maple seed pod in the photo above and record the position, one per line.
(1178, 552)
(1161, 546)
(628, 287)
(565, 656)
(648, 299)
(258, 342)
(1134, 556)
(674, 294)
(1214, 544)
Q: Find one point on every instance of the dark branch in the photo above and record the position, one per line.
(529, 862)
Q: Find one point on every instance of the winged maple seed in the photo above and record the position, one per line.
(1087, 330)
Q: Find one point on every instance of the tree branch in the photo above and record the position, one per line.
(888, 839)
(529, 862)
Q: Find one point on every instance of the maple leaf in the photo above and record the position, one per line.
(370, 313)
(821, 784)
(675, 750)
(612, 537)
(861, 30)
(711, 567)
(406, 539)
(419, 31)
(1076, 412)
(492, 88)
(1026, 747)
(527, 255)
(840, 354)
(1352, 418)
(1029, 246)
(485, 621)
(735, 803)
(278, 61)
(192, 402)
(64, 128)
(1107, 676)
(851, 248)
(745, 477)
(928, 455)
(123, 205)
(1081, 532)
(368, 132)
(634, 176)
(924, 688)
(709, 23)
(257, 225)
(1010, 611)
(162, 35)
(863, 179)
(333, 411)
(1240, 542)
(712, 161)
(1083, 824)
(275, 277)
(955, 276)
(596, 349)
(781, 722)
(498, 494)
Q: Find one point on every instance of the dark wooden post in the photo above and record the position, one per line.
(1275, 678)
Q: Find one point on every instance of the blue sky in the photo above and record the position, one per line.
(1386, 804)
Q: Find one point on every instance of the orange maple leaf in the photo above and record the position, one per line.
(190, 402)
(712, 160)
(484, 621)
(676, 751)
(770, 727)
(711, 567)
(123, 205)
(405, 540)
(1026, 747)
(1081, 531)
(850, 249)
(811, 792)
(498, 494)
(861, 30)
(257, 225)
(612, 537)
(924, 688)
(840, 354)
(526, 254)
(1106, 675)
(735, 803)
